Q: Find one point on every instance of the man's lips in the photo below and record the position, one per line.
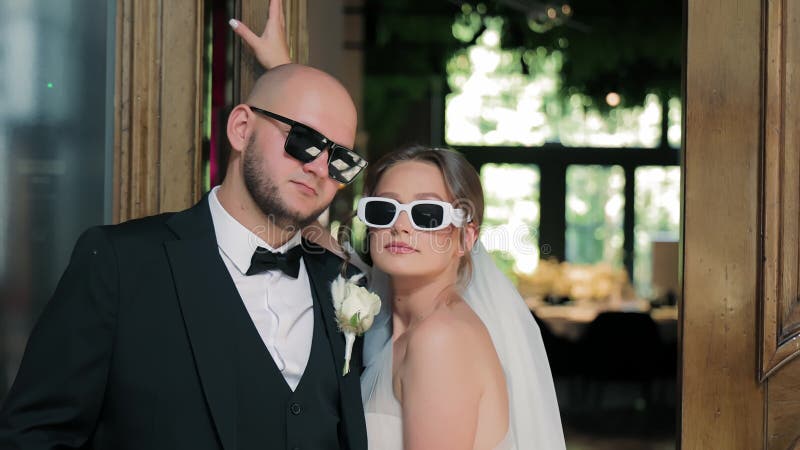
(399, 247)
(305, 188)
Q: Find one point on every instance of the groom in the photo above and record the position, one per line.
(185, 330)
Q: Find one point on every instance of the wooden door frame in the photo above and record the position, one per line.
(739, 312)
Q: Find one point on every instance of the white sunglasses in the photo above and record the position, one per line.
(425, 215)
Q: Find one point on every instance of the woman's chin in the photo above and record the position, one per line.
(399, 265)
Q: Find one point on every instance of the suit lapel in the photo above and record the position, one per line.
(321, 272)
(322, 269)
(204, 291)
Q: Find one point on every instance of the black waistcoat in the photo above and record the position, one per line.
(306, 419)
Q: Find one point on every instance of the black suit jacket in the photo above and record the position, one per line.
(134, 349)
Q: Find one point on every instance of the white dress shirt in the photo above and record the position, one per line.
(280, 307)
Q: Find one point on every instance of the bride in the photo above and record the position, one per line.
(455, 360)
(453, 367)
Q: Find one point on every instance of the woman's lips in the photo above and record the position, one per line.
(399, 248)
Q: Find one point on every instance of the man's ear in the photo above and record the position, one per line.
(239, 127)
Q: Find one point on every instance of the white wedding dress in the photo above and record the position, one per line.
(534, 420)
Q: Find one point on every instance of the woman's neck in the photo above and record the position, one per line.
(414, 298)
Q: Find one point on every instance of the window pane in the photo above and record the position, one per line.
(595, 206)
(674, 131)
(657, 205)
(585, 125)
(56, 100)
(511, 218)
(493, 102)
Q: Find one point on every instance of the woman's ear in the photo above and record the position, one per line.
(470, 235)
(239, 127)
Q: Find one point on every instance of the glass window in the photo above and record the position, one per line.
(493, 102)
(674, 124)
(511, 217)
(595, 207)
(56, 133)
(656, 230)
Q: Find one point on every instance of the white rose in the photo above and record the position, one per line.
(338, 292)
(359, 307)
(355, 308)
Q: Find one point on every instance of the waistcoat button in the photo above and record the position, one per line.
(296, 409)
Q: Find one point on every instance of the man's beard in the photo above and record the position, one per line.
(265, 193)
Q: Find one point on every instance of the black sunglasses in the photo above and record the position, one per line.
(305, 144)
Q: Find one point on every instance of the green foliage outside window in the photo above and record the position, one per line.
(595, 206)
(511, 217)
(657, 211)
(515, 97)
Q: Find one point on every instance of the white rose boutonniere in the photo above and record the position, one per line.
(356, 308)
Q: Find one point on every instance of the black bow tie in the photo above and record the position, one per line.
(264, 260)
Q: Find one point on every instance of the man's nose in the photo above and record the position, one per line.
(319, 166)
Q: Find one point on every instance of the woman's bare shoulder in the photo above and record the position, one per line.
(452, 333)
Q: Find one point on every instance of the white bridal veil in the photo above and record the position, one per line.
(535, 420)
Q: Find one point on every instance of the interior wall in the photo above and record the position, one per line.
(325, 35)
(334, 43)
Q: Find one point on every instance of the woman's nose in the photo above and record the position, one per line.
(403, 223)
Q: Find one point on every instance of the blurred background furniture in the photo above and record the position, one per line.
(620, 347)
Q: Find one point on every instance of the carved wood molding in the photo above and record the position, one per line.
(781, 185)
(783, 408)
(158, 102)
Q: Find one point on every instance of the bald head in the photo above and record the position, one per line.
(310, 96)
(265, 184)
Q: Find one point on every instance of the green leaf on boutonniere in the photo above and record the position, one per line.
(355, 319)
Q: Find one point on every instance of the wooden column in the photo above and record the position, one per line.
(722, 401)
(159, 86)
